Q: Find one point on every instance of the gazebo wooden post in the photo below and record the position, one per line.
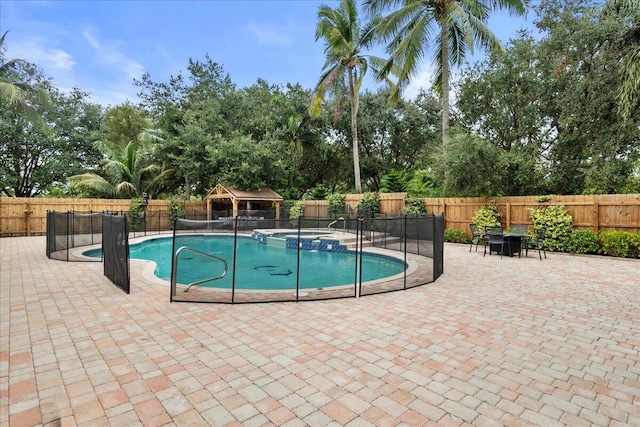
(208, 209)
(277, 210)
(235, 207)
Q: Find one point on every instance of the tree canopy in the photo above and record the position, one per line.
(546, 114)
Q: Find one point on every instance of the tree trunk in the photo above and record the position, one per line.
(445, 99)
(445, 84)
(354, 133)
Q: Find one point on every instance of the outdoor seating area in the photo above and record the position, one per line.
(510, 242)
(521, 345)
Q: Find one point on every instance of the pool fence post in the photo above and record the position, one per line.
(173, 286)
(357, 290)
(235, 244)
(68, 233)
(298, 262)
(404, 286)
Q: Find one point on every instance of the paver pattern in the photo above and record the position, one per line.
(516, 342)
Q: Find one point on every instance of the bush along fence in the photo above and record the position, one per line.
(560, 233)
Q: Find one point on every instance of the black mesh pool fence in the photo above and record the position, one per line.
(72, 229)
(256, 259)
(115, 250)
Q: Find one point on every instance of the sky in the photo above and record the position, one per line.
(102, 46)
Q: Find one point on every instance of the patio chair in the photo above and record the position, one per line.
(495, 237)
(477, 236)
(535, 242)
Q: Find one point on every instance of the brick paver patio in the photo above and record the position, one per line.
(494, 341)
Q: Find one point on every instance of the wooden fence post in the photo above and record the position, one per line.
(596, 216)
(444, 212)
(27, 215)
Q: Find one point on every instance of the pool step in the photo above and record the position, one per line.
(380, 240)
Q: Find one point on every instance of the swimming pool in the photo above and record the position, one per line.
(260, 266)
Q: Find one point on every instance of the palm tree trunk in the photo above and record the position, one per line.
(354, 133)
(445, 83)
(445, 97)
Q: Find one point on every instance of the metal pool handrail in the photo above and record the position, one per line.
(175, 265)
(344, 223)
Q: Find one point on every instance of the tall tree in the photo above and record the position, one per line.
(39, 149)
(192, 109)
(15, 91)
(345, 37)
(122, 124)
(549, 104)
(458, 26)
(129, 171)
(393, 138)
(629, 89)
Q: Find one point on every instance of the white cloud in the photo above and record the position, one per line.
(423, 79)
(39, 51)
(109, 53)
(269, 34)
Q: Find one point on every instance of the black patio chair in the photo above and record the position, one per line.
(535, 242)
(495, 237)
(477, 236)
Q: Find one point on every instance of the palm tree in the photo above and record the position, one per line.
(629, 90)
(15, 93)
(128, 171)
(457, 25)
(345, 66)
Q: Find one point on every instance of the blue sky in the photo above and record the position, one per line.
(101, 46)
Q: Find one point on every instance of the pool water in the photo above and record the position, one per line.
(259, 266)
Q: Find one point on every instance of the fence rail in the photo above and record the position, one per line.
(27, 216)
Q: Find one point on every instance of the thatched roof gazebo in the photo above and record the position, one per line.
(238, 197)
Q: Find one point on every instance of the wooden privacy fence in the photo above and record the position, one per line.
(27, 216)
(595, 212)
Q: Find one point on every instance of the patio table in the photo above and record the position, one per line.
(513, 240)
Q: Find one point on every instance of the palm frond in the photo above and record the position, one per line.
(93, 182)
(629, 91)
(516, 7)
(126, 189)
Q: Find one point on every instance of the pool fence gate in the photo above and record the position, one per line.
(115, 250)
(70, 230)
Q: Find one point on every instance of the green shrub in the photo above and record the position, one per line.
(136, 214)
(486, 216)
(414, 205)
(557, 224)
(620, 244)
(394, 182)
(319, 192)
(297, 210)
(285, 210)
(336, 205)
(369, 205)
(455, 235)
(583, 242)
(176, 210)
